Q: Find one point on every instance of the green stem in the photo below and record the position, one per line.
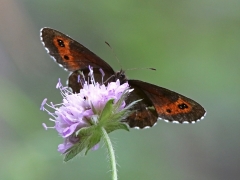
(111, 154)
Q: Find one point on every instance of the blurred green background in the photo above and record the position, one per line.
(193, 44)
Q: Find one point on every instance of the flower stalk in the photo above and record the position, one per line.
(111, 155)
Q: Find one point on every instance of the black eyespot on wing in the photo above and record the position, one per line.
(60, 43)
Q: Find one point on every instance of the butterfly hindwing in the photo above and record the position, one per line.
(144, 114)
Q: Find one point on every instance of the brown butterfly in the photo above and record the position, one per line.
(157, 103)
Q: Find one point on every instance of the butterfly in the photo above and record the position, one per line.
(157, 102)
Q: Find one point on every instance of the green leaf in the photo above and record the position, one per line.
(111, 118)
(94, 139)
(90, 136)
(113, 127)
(122, 98)
(76, 149)
(106, 112)
(93, 109)
(85, 131)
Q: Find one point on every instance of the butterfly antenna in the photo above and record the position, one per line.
(113, 53)
(109, 78)
(149, 68)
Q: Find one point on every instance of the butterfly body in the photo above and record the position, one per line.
(157, 102)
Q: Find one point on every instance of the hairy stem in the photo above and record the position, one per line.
(111, 154)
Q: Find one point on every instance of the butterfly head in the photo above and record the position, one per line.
(121, 76)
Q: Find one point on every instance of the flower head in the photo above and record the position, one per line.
(82, 112)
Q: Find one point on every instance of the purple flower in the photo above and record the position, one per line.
(78, 110)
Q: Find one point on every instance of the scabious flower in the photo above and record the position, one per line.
(80, 116)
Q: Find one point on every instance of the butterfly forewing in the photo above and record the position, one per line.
(69, 53)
